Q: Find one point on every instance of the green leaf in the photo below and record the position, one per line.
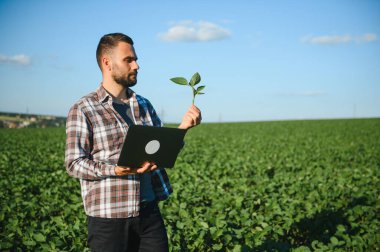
(200, 88)
(183, 213)
(239, 201)
(263, 224)
(334, 240)
(39, 237)
(237, 248)
(341, 228)
(183, 205)
(279, 231)
(195, 79)
(29, 243)
(227, 238)
(204, 224)
(180, 225)
(213, 232)
(179, 80)
(217, 246)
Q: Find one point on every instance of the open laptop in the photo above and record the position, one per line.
(160, 145)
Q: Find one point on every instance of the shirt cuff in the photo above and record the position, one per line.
(108, 170)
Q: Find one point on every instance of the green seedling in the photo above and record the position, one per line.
(193, 82)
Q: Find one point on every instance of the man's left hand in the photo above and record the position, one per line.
(192, 118)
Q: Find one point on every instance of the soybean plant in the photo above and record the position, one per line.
(192, 83)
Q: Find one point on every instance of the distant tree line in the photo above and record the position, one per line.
(18, 120)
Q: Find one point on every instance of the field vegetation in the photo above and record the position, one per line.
(263, 186)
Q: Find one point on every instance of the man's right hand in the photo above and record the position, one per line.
(146, 167)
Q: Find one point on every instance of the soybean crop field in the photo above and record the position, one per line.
(262, 186)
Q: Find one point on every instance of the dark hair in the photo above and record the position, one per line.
(108, 42)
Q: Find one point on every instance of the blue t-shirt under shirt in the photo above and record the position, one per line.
(146, 189)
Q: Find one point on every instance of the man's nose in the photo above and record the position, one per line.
(135, 65)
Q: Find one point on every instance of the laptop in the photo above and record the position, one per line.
(160, 145)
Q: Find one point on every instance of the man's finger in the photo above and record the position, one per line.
(145, 167)
(142, 170)
(196, 117)
(195, 112)
(193, 107)
(193, 119)
(122, 170)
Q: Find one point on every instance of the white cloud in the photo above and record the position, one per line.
(339, 39)
(369, 37)
(190, 31)
(20, 59)
(304, 94)
(328, 40)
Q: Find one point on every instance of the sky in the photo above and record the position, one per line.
(259, 60)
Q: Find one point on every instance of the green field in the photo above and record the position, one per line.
(264, 186)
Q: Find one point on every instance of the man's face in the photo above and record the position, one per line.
(124, 65)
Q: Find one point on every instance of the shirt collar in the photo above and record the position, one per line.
(104, 96)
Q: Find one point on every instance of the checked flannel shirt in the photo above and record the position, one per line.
(94, 137)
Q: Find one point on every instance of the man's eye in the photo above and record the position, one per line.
(130, 60)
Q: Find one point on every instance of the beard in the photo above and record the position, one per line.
(125, 81)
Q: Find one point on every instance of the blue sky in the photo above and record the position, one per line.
(259, 60)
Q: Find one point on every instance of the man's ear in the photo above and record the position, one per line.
(106, 63)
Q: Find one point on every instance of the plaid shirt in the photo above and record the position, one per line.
(95, 134)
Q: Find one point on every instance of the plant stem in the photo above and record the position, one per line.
(193, 95)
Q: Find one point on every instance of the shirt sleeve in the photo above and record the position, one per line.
(153, 114)
(78, 158)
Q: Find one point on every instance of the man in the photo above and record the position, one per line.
(120, 202)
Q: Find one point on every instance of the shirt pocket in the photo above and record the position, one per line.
(107, 135)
